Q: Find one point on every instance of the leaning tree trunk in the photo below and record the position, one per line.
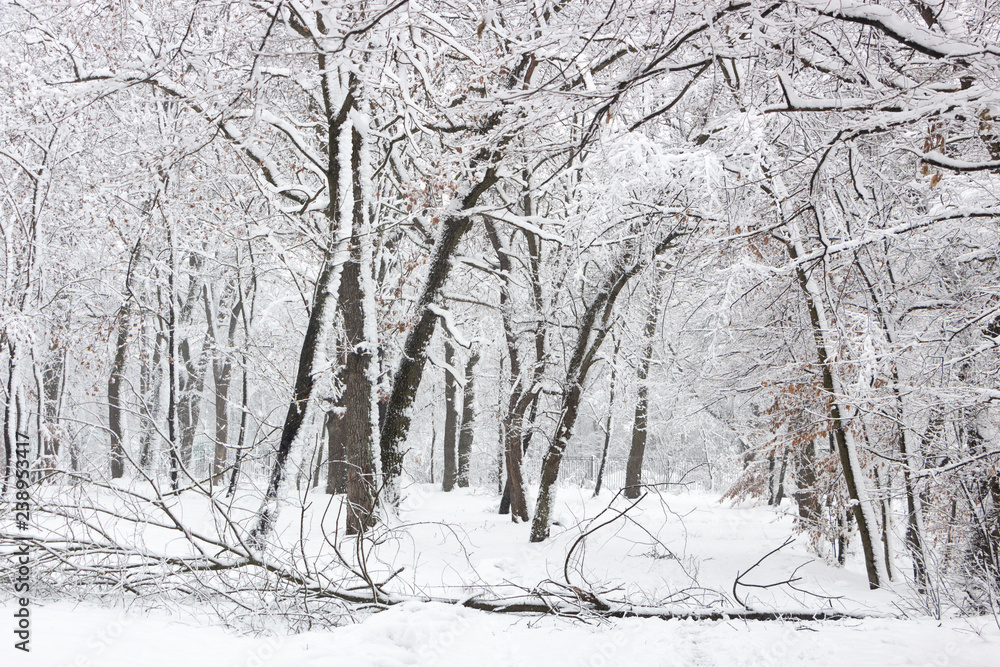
(633, 470)
(407, 377)
(450, 420)
(301, 391)
(466, 433)
(593, 329)
(327, 284)
(583, 355)
(854, 477)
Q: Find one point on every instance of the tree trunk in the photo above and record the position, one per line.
(593, 328)
(846, 447)
(191, 385)
(53, 378)
(779, 491)
(450, 420)
(241, 438)
(336, 465)
(356, 425)
(610, 421)
(301, 392)
(114, 392)
(191, 371)
(640, 423)
(467, 432)
(515, 439)
(513, 454)
(910, 450)
(222, 368)
(150, 376)
(221, 374)
(172, 367)
(407, 377)
(339, 137)
(11, 421)
(806, 498)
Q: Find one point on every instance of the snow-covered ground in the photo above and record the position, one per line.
(435, 634)
(688, 546)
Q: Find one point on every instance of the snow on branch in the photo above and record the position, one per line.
(880, 234)
(448, 320)
(796, 102)
(939, 159)
(531, 223)
(893, 25)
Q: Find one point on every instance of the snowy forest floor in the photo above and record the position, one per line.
(684, 548)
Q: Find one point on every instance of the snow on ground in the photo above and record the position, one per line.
(455, 544)
(436, 634)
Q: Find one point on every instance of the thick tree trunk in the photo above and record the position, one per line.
(450, 420)
(336, 465)
(114, 392)
(356, 426)
(806, 497)
(467, 432)
(513, 454)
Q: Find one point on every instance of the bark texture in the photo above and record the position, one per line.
(450, 421)
(640, 422)
(114, 392)
(466, 434)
